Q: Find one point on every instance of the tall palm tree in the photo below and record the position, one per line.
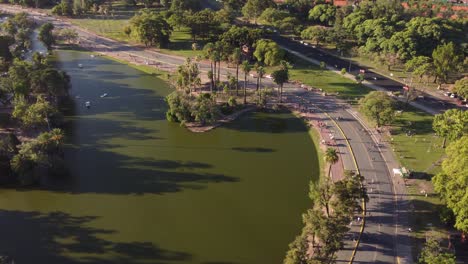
(236, 57)
(260, 72)
(246, 68)
(331, 156)
(208, 52)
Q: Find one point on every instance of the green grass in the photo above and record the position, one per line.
(107, 27)
(424, 218)
(419, 152)
(328, 81)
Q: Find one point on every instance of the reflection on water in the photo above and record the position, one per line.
(142, 190)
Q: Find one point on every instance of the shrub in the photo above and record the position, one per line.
(232, 102)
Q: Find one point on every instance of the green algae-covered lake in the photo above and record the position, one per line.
(142, 190)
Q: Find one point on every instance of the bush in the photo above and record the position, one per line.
(343, 71)
(179, 107)
(205, 110)
(232, 102)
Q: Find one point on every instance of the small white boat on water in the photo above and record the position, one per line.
(104, 95)
(80, 66)
(88, 104)
(92, 55)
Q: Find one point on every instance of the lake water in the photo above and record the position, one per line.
(142, 190)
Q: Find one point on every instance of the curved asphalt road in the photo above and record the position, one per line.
(384, 239)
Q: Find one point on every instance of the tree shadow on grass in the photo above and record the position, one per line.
(34, 237)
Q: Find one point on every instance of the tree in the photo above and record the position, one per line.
(209, 52)
(45, 151)
(19, 74)
(331, 157)
(246, 68)
(378, 107)
(450, 183)
(420, 66)
(50, 81)
(451, 124)
(280, 77)
(268, 52)
(297, 253)
(151, 29)
(461, 87)
(350, 192)
(205, 109)
(203, 24)
(272, 16)
(324, 13)
(432, 253)
(260, 72)
(315, 33)
(188, 75)
(236, 57)
(446, 61)
(69, 35)
(33, 115)
(179, 107)
(254, 8)
(240, 37)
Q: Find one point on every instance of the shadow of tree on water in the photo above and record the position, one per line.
(33, 237)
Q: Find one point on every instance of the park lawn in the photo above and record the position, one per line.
(181, 44)
(422, 151)
(328, 81)
(424, 217)
(107, 27)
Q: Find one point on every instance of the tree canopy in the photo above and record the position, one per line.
(451, 124)
(46, 36)
(451, 182)
(378, 106)
(254, 8)
(324, 13)
(268, 52)
(446, 61)
(461, 87)
(433, 253)
(151, 29)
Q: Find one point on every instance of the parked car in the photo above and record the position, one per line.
(454, 95)
(447, 93)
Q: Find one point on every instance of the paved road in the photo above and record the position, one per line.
(437, 104)
(379, 243)
(385, 239)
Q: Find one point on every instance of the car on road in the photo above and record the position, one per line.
(454, 95)
(447, 93)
